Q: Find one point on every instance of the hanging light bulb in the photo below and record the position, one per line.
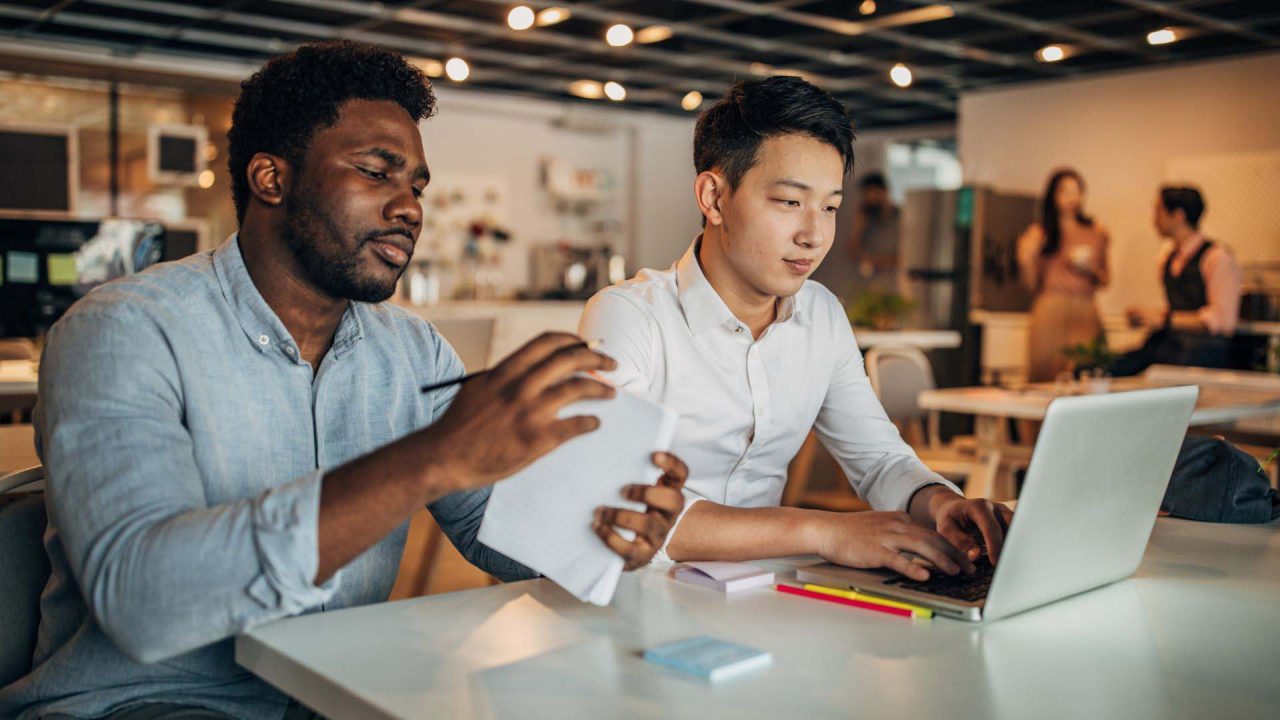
(900, 75)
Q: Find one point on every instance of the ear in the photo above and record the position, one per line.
(711, 188)
(268, 175)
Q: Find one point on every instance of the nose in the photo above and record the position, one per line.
(812, 229)
(405, 208)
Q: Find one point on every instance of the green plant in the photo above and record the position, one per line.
(880, 310)
(1093, 354)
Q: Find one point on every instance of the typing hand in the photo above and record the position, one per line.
(664, 501)
(888, 539)
(960, 520)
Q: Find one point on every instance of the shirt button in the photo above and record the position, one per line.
(264, 340)
(738, 329)
(288, 349)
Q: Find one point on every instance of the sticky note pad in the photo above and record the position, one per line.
(708, 658)
(62, 269)
(23, 267)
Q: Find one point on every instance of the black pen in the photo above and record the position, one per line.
(589, 344)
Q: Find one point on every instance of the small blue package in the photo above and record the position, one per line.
(708, 658)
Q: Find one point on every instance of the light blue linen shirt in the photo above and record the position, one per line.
(185, 441)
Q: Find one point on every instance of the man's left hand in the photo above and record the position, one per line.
(663, 500)
(962, 520)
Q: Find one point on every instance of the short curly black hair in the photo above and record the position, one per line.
(281, 106)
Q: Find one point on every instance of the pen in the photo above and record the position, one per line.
(918, 611)
(793, 590)
(589, 344)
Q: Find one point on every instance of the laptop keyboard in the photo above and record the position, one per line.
(969, 588)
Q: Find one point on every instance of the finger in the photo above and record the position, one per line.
(531, 353)
(674, 471)
(932, 547)
(635, 553)
(962, 540)
(1005, 515)
(561, 364)
(665, 500)
(650, 526)
(902, 565)
(570, 391)
(559, 432)
(992, 534)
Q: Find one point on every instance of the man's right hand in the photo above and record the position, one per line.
(880, 539)
(507, 417)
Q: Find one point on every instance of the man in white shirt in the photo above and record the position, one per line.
(752, 356)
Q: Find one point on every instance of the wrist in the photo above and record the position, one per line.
(436, 474)
(928, 501)
(817, 528)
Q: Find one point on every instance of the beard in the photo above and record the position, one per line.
(314, 238)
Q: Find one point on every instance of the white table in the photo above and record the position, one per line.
(1195, 634)
(1226, 396)
(923, 339)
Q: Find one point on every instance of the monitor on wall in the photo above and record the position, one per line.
(39, 168)
(175, 153)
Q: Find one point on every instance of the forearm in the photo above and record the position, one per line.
(362, 501)
(710, 531)
(1187, 321)
(925, 502)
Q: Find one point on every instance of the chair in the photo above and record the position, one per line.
(24, 565)
(471, 338)
(17, 448)
(898, 375)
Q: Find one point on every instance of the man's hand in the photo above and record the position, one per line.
(880, 539)
(962, 520)
(664, 502)
(504, 419)
(1148, 318)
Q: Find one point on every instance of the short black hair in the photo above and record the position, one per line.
(283, 104)
(729, 133)
(874, 179)
(1184, 198)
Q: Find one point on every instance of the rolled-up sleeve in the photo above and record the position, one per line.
(855, 429)
(161, 569)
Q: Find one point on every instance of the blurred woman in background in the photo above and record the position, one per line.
(1063, 260)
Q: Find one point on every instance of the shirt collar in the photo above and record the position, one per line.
(260, 323)
(704, 308)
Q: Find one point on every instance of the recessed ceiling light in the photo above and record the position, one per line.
(653, 34)
(553, 15)
(619, 35)
(867, 7)
(691, 101)
(900, 75)
(1163, 36)
(588, 89)
(520, 18)
(457, 69)
(615, 91)
(1051, 53)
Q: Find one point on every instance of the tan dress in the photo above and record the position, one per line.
(1063, 313)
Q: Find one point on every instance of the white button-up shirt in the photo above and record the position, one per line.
(746, 406)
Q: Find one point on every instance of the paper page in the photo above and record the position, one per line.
(542, 515)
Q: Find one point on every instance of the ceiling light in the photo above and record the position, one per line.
(615, 92)
(691, 101)
(587, 89)
(653, 34)
(619, 35)
(867, 7)
(205, 179)
(1051, 53)
(759, 68)
(552, 15)
(433, 68)
(900, 75)
(1163, 36)
(520, 18)
(457, 69)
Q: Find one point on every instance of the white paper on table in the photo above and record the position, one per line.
(542, 515)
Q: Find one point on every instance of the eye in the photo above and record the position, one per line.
(375, 174)
(789, 203)
(832, 209)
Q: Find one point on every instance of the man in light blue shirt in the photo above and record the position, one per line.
(240, 436)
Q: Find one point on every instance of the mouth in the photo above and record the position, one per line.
(799, 266)
(392, 249)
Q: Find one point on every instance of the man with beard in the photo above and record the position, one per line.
(240, 436)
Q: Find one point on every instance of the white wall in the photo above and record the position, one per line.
(648, 155)
(1119, 130)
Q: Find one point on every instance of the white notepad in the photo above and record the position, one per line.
(542, 515)
(727, 577)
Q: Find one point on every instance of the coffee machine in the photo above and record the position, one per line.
(563, 271)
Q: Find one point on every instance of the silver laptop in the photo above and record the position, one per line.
(1097, 476)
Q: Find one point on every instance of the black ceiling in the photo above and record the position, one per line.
(949, 46)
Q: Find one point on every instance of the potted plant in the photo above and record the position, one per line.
(879, 310)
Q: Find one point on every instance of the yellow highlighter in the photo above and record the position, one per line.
(917, 611)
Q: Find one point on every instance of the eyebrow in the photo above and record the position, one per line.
(802, 186)
(396, 160)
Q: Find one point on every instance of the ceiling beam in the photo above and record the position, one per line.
(1203, 21)
(1052, 29)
